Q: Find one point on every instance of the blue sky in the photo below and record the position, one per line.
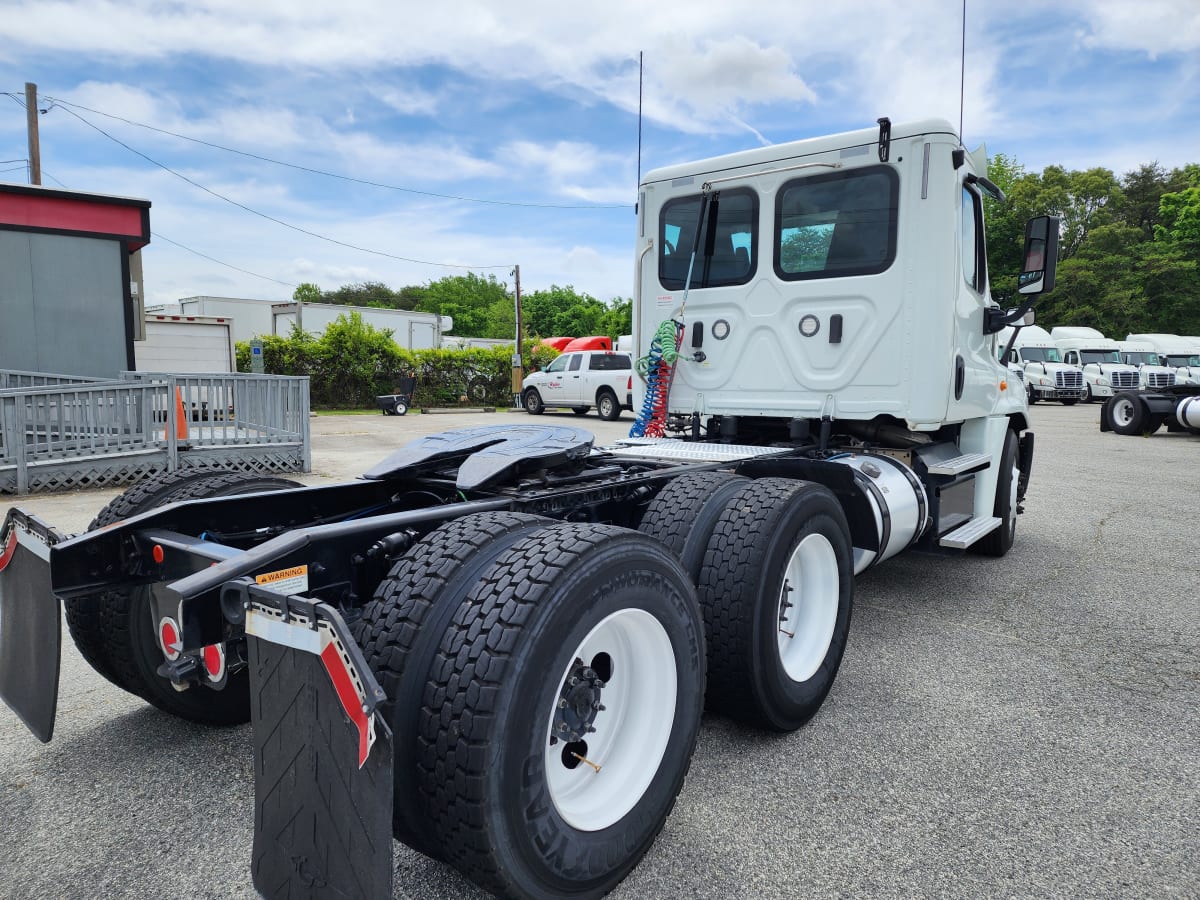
(536, 103)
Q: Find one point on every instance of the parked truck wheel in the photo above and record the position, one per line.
(776, 589)
(115, 631)
(684, 513)
(607, 406)
(533, 402)
(1128, 414)
(1008, 477)
(562, 712)
(401, 630)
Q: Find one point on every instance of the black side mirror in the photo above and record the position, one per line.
(1041, 255)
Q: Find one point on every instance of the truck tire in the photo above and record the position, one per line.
(607, 405)
(780, 556)
(401, 630)
(532, 401)
(684, 513)
(1128, 413)
(1088, 397)
(115, 633)
(576, 627)
(1000, 541)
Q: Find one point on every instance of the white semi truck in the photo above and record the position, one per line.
(504, 637)
(1152, 374)
(1047, 376)
(1104, 372)
(1178, 353)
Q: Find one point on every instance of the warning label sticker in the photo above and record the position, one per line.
(285, 581)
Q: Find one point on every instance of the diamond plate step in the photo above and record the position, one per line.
(692, 451)
(966, 535)
(960, 464)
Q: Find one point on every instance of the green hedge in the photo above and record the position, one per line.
(353, 362)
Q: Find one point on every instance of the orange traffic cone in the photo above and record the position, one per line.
(181, 425)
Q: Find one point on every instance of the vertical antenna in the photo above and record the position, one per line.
(962, 75)
(639, 164)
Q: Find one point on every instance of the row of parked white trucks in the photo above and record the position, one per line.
(1070, 364)
(496, 645)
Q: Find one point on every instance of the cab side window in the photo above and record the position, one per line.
(576, 361)
(974, 257)
(559, 364)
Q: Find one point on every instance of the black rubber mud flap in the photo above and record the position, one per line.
(322, 757)
(30, 622)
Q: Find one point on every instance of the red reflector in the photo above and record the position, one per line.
(168, 636)
(629, 384)
(214, 661)
(157, 553)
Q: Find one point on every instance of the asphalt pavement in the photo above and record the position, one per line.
(1017, 727)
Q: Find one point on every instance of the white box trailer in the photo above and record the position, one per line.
(411, 330)
(251, 318)
(179, 344)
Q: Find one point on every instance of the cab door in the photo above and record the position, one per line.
(573, 383)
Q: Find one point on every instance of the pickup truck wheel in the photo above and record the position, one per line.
(581, 410)
(1000, 541)
(607, 406)
(115, 631)
(1127, 413)
(533, 402)
(562, 712)
(776, 588)
(684, 513)
(401, 630)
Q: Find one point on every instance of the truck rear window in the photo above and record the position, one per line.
(832, 225)
(733, 255)
(608, 362)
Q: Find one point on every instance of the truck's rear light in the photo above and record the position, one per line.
(629, 384)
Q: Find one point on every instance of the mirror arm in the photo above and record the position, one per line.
(994, 318)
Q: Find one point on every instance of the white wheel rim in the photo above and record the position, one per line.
(631, 732)
(806, 626)
(1122, 412)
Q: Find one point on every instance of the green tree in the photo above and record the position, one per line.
(366, 293)
(307, 293)
(469, 299)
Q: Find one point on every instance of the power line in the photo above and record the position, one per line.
(269, 218)
(162, 237)
(390, 187)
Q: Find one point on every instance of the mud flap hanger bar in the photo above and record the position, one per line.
(308, 625)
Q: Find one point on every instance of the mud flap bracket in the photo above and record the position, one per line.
(322, 757)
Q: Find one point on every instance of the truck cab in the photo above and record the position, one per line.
(1152, 374)
(1104, 372)
(1047, 375)
(837, 289)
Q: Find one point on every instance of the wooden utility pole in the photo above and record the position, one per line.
(31, 124)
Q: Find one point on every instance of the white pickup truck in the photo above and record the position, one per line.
(581, 380)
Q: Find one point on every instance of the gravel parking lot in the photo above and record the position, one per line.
(1022, 726)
